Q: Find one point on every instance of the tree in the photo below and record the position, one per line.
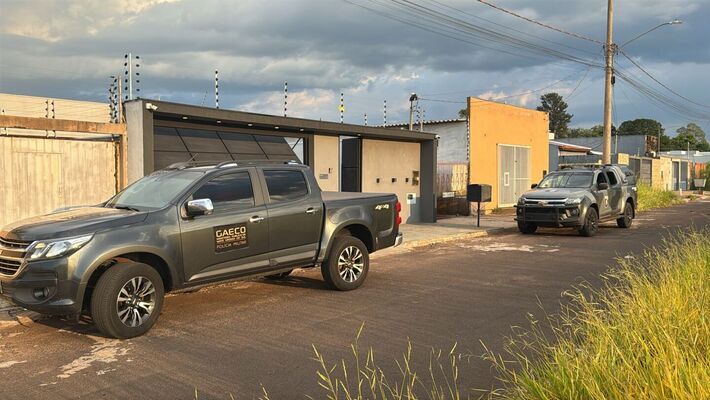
(595, 131)
(555, 106)
(463, 113)
(691, 136)
(692, 129)
(642, 126)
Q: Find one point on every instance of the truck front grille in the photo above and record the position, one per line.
(541, 214)
(9, 267)
(12, 254)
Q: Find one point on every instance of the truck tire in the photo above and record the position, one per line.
(346, 266)
(127, 300)
(628, 217)
(526, 228)
(280, 276)
(591, 223)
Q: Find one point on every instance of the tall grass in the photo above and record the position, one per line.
(650, 197)
(644, 335)
(362, 378)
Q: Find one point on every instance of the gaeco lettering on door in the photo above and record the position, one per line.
(230, 237)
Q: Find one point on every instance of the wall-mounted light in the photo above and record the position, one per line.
(219, 121)
(276, 127)
(184, 117)
(250, 124)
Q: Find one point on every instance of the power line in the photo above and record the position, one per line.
(659, 82)
(507, 27)
(576, 35)
(455, 28)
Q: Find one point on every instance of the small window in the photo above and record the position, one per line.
(231, 191)
(612, 178)
(285, 185)
(601, 178)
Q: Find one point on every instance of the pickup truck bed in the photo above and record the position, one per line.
(329, 197)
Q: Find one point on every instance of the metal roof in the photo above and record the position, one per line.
(163, 110)
(430, 122)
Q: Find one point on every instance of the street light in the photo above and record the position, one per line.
(675, 21)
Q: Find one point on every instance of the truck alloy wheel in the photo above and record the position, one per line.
(347, 263)
(350, 264)
(591, 223)
(136, 301)
(127, 300)
(625, 221)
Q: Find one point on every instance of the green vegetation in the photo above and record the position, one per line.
(362, 378)
(644, 335)
(650, 197)
(553, 104)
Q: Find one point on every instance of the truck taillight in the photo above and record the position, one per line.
(398, 218)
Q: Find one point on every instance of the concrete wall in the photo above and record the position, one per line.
(326, 162)
(388, 160)
(494, 123)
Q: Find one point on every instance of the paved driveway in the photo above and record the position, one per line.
(235, 337)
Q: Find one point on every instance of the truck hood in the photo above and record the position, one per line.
(555, 193)
(71, 222)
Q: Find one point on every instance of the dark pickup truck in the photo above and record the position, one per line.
(189, 225)
(580, 198)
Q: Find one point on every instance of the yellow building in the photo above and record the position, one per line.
(508, 148)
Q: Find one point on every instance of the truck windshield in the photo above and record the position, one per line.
(567, 180)
(154, 191)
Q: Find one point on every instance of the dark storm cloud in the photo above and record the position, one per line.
(329, 45)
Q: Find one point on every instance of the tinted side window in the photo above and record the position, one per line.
(285, 185)
(601, 178)
(612, 178)
(228, 191)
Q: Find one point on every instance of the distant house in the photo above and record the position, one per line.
(501, 145)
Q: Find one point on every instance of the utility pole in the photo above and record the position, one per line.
(608, 82)
(412, 99)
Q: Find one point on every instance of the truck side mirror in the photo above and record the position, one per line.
(199, 207)
(602, 186)
(533, 186)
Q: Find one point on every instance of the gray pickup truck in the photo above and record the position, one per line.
(579, 198)
(189, 225)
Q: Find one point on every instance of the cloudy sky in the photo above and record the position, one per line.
(69, 48)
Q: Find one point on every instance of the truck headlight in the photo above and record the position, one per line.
(572, 202)
(521, 201)
(57, 247)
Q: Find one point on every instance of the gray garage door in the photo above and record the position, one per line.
(174, 145)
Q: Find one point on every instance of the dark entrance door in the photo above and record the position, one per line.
(350, 170)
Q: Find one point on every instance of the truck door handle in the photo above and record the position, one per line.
(311, 210)
(256, 219)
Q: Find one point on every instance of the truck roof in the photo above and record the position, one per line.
(209, 165)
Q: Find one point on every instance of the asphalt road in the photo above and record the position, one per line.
(236, 337)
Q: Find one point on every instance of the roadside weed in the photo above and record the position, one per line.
(362, 378)
(650, 197)
(644, 335)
